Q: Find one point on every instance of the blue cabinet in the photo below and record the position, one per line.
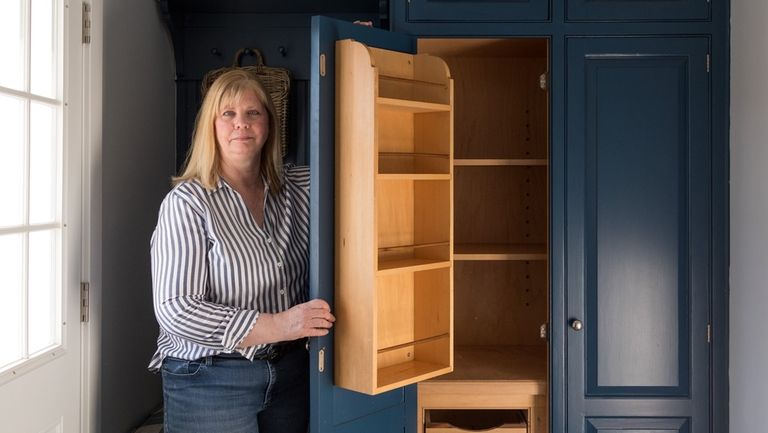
(476, 11)
(638, 234)
(637, 10)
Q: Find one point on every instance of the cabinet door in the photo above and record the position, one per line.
(638, 235)
(476, 11)
(637, 10)
(332, 409)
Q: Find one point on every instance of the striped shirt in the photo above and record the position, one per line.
(214, 269)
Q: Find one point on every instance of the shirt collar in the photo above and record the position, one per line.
(221, 183)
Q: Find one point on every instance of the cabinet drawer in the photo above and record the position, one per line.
(460, 420)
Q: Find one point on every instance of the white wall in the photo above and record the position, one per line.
(749, 217)
(137, 162)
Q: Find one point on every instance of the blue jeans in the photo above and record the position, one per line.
(233, 395)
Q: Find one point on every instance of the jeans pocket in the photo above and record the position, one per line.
(182, 367)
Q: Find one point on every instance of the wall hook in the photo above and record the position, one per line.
(281, 49)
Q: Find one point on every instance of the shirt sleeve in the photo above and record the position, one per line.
(298, 175)
(179, 281)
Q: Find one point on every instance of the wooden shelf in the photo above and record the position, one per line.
(414, 343)
(411, 106)
(407, 373)
(500, 252)
(388, 266)
(467, 162)
(414, 163)
(413, 176)
(499, 364)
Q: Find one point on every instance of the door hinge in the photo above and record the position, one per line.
(321, 360)
(544, 331)
(85, 291)
(709, 332)
(543, 81)
(709, 62)
(322, 64)
(86, 23)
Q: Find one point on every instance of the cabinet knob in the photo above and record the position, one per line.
(576, 324)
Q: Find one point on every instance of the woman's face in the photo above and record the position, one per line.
(242, 128)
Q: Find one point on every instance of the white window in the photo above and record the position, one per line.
(31, 181)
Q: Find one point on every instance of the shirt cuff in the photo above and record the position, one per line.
(239, 326)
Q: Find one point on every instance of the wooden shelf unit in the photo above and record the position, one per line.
(394, 218)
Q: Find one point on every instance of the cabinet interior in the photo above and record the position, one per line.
(501, 163)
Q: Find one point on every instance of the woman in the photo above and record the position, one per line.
(229, 274)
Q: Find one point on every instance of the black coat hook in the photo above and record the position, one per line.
(281, 49)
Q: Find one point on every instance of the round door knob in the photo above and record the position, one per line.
(576, 324)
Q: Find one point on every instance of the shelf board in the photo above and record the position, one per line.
(413, 176)
(498, 364)
(411, 106)
(410, 265)
(414, 343)
(500, 252)
(467, 162)
(398, 375)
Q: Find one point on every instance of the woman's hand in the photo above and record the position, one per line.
(310, 319)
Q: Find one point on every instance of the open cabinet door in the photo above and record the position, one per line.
(332, 409)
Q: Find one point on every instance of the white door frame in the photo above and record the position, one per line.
(93, 55)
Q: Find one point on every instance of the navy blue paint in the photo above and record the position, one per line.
(637, 10)
(477, 10)
(590, 193)
(334, 410)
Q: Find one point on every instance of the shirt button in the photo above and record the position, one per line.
(269, 240)
(282, 291)
(279, 264)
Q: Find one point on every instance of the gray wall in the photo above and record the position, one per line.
(749, 217)
(137, 161)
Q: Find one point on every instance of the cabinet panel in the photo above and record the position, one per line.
(638, 425)
(476, 11)
(637, 10)
(636, 205)
(638, 228)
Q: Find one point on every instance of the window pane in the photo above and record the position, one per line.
(43, 166)
(12, 160)
(11, 294)
(12, 43)
(43, 284)
(43, 53)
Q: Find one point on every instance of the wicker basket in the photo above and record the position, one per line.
(276, 81)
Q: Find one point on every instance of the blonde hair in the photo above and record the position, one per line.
(203, 159)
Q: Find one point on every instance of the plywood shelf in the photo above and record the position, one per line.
(412, 264)
(499, 364)
(495, 162)
(406, 373)
(412, 176)
(500, 252)
(414, 164)
(411, 106)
